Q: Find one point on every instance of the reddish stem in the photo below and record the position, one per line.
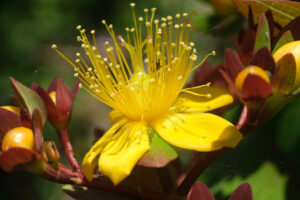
(68, 149)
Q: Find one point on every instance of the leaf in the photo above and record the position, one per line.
(160, 155)
(255, 89)
(266, 183)
(37, 127)
(263, 37)
(30, 99)
(84, 193)
(243, 192)
(284, 39)
(264, 59)
(199, 191)
(233, 63)
(284, 80)
(8, 120)
(13, 157)
(283, 11)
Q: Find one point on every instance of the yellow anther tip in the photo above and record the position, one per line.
(146, 10)
(93, 31)
(78, 27)
(103, 21)
(53, 46)
(132, 5)
(213, 53)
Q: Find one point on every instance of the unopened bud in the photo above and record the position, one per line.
(51, 153)
(18, 137)
(255, 70)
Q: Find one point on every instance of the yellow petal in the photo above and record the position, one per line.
(209, 98)
(89, 163)
(120, 156)
(197, 131)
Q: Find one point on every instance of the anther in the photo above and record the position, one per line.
(103, 21)
(77, 60)
(78, 27)
(163, 19)
(78, 38)
(213, 53)
(76, 75)
(185, 14)
(153, 9)
(80, 85)
(169, 18)
(176, 26)
(92, 32)
(177, 15)
(53, 46)
(132, 30)
(179, 77)
(146, 10)
(140, 19)
(132, 4)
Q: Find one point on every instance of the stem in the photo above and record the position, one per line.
(196, 168)
(68, 149)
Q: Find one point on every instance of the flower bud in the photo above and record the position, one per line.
(294, 49)
(13, 109)
(255, 70)
(51, 152)
(18, 137)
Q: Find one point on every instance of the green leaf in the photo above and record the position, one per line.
(266, 183)
(29, 99)
(283, 11)
(161, 152)
(262, 34)
(284, 39)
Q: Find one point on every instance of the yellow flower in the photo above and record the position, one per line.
(148, 93)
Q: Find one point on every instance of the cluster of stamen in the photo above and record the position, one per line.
(146, 85)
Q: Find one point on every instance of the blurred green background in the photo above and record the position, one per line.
(269, 159)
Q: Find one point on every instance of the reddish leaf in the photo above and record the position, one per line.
(37, 126)
(233, 63)
(230, 82)
(29, 98)
(14, 157)
(75, 90)
(8, 120)
(63, 97)
(264, 59)
(285, 75)
(245, 48)
(243, 192)
(255, 89)
(294, 27)
(199, 191)
(208, 74)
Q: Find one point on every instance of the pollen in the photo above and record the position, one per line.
(145, 84)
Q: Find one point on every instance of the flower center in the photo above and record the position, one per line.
(145, 87)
